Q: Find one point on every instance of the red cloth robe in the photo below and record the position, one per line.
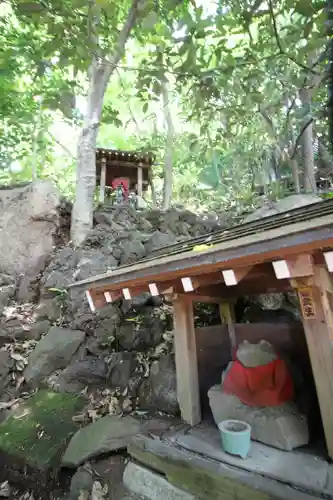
(265, 385)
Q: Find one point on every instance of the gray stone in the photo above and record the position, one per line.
(121, 367)
(136, 303)
(35, 434)
(284, 205)
(6, 364)
(5, 280)
(159, 240)
(60, 272)
(278, 474)
(106, 323)
(131, 251)
(38, 329)
(82, 373)
(142, 329)
(107, 434)
(50, 309)
(12, 330)
(159, 391)
(16, 329)
(142, 481)
(82, 480)
(107, 218)
(255, 314)
(144, 225)
(281, 426)
(53, 352)
(28, 219)
(270, 301)
(28, 289)
(93, 262)
(6, 293)
(102, 324)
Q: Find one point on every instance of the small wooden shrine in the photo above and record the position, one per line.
(130, 167)
(289, 251)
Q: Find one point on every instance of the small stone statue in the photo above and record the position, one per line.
(120, 194)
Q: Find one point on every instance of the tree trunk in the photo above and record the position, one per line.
(294, 171)
(168, 174)
(307, 146)
(82, 214)
(153, 192)
(325, 158)
(294, 166)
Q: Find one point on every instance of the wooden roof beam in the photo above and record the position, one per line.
(328, 256)
(233, 276)
(218, 293)
(298, 266)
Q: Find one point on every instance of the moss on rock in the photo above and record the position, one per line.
(34, 436)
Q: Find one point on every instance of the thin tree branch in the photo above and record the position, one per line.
(67, 151)
(299, 137)
(128, 104)
(279, 44)
(125, 31)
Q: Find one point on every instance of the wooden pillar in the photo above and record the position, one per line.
(318, 326)
(186, 361)
(227, 315)
(139, 182)
(102, 181)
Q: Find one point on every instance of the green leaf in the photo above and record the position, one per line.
(305, 8)
(150, 20)
(157, 88)
(145, 107)
(308, 28)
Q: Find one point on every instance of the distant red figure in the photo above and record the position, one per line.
(123, 184)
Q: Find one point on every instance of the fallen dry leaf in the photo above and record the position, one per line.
(5, 490)
(5, 405)
(99, 492)
(84, 495)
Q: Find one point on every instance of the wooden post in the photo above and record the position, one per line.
(318, 323)
(139, 203)
(186, 361)
(102, 181)
(227, 315)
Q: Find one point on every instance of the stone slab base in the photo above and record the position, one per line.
(151, 485)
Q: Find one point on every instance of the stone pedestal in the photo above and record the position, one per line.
(281, 426)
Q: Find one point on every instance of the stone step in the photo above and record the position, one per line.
(150, 485)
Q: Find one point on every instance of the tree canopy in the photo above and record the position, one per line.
(228, 95)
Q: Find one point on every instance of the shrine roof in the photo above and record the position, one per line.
(133, 158)
(306, 229)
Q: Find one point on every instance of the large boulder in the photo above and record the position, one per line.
(102, 324)
(159, 391)
(121, 366)
(20, 323)
(69, 265)
(143, 329)
(28, 220)
(159, 240)
(6, 364)
(82, 373)
(53, 352)
(284, 205)
(6, 293)
(110, 433)
(33, 438)
(281, 426)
